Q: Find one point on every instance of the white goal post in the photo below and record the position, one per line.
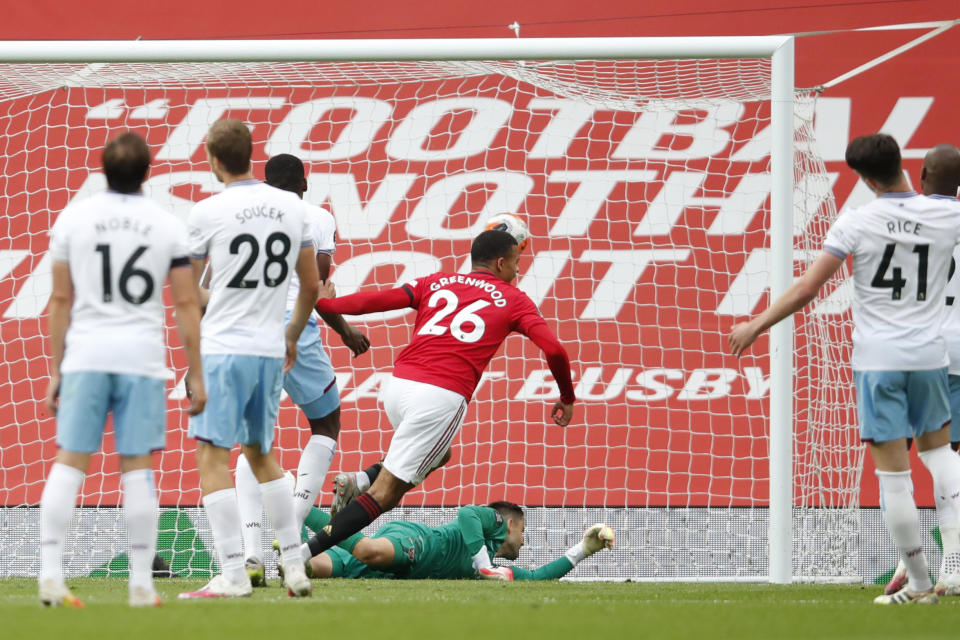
(116, 74)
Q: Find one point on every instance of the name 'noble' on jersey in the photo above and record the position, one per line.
(461, 322)
(902, 244)
(253, 234)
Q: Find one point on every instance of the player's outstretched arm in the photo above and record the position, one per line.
(797, 296)
(352, 338)
(186, 302)
(309, 290)
(61, 299)
(357, 304)
(596, 538)
(559, 364)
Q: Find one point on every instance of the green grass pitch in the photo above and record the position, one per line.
(396, 610)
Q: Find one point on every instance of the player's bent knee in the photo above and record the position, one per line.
(328, 425)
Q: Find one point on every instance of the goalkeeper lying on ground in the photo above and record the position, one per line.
(459, 549)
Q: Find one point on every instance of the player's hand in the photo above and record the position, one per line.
(53, 393)
(196, 392)
(327, 290)
(355, 340)
(291, 356)
(496, 573)
(562, 413)
(742, 336)
(598, 537)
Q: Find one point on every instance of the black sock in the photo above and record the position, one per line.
(349, 520)
(373, 471)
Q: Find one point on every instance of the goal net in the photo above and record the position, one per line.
(647, 187)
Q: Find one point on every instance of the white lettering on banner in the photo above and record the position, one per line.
(431, 212)
(752, 282)
(838, 301)
(707, 384)
(159, 187)
(649, 385)
(586, 202)
(652, 389)
(351, 274)
(591, 379)
(621, 278)
(109, 110)
(33, 296)
(758, 382)
(291, 135)
(115, 108)
(10, 259)
(569, 117)
(903, 122)
(707, 136)
(831, 128)
(369, 388)
(540, 385)
(735, 210)
(188, 136)
(153, 110)
(538, 278)
(356, 221)
(410, 140)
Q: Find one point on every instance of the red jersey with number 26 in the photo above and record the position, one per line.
(461, 322)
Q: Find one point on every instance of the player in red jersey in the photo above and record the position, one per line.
(461, 322)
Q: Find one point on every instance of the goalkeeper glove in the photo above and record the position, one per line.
(597, 537)
(496, 573)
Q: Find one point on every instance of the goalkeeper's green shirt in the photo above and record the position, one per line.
(443, 552)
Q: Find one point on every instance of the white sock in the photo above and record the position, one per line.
(944, 465)
(251, 509)
(363, 481)
(224, 517)
(140, 512)
(312, 471)
(900, 515)
(56, 509)
(278, 501)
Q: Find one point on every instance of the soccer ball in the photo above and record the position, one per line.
(513, 225)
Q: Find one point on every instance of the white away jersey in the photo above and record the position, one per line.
(253, 234)
(120, 248)
(323, 228)
(901, 245)
(951, 321)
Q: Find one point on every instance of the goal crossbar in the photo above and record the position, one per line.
(391, 50)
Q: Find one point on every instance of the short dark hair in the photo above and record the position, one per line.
(126, 160)
(285, 171)
(229, 142)
(876, 156)
(490, 245)
(508, 510)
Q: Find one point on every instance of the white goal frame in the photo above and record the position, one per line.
(779, 49)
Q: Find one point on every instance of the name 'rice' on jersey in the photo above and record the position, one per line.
(120, 248)
(902, 245)
(253, 234)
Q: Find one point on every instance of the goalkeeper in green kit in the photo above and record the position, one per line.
(460, 549)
